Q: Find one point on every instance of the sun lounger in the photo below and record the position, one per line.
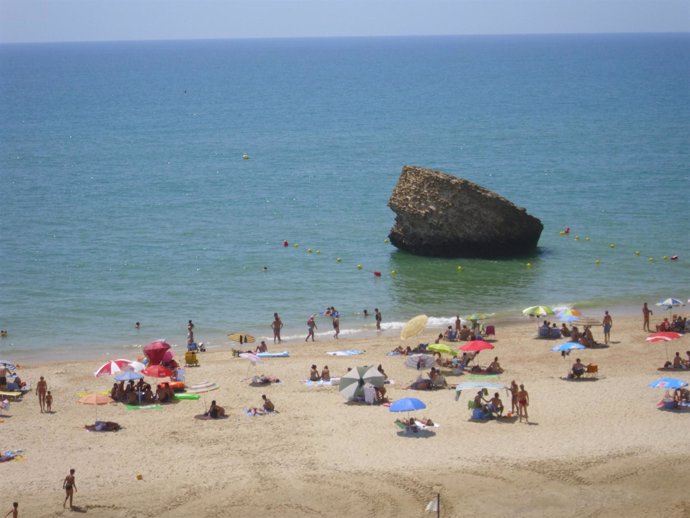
(13, 396)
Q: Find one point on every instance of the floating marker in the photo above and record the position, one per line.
(386, 241)
(338, 259)
(377, 274)
(587, 238)
(318, 252)
(459, 268)
(577, 238)
(597, 262)
(359, 266)
(296, 245)
(637, 253)
(562, 232)
(612, 245)
(665, 258)
(529, 265)
(309, 250)
(394, 273)
(650, 259)
(285, 243)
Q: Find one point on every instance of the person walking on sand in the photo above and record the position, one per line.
(608, 324)
(70, 487)
(42, 390)
(523, 403)
(645, 317)
(311, 326)
(336, 322)
(14, 512)
(276, 325)
(379, 317)
(49, 402)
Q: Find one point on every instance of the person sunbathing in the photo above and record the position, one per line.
(578, 369)
(314, 374)
(494, 367)
(215, 411)
(420, 384)
(103, 426)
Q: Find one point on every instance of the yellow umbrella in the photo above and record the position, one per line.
(413, 327)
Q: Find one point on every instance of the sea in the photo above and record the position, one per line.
(125, 196)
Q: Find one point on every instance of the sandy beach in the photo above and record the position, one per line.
(591, 448)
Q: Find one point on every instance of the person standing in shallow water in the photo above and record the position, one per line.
(378, 317)
(277, 325)
(645, 317)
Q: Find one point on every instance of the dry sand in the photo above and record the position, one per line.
(597, 448)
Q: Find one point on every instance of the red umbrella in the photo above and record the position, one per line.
(666, 336)
(110, 368)
(155, 351)
(476, 345)
(157, 371)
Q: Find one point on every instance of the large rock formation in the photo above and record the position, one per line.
(441, 215)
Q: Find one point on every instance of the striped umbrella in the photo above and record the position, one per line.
(537, 311)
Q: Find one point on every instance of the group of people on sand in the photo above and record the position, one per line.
(679, 362)
(413, 425)
(677, 324)
(141, 393)
(433, 380)
(266, 408)
(324, 375)
(519, 401)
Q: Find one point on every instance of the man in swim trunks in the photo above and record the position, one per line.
(608, 324)
(645, 317)
(70, 487)
(42, 390)
(276, 325)
(379, 317)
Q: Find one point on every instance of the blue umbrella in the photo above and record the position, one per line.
(408, 404)
(567, 346)
(670, 303)
(668, 383)
(128, 376)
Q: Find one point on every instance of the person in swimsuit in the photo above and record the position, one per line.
(276, 325)
(70, 487)
(645, 317)
(311, 326)
(14, 512)
(268, 404)
(336, 322)
(513, 397)
(42, 390)
(523, 403)
(378, 317)
(215, 411)
(325, 373)
(608, 324)
(49, 402)
(314, 374)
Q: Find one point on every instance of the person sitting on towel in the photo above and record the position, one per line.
(494, 367)
(268, 404)
(314, 374)
(578, 368)
(325, 373)
(215, 411)
(495, 405)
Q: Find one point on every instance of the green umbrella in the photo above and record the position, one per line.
(538, 311)
(478, 316)
(442, 348)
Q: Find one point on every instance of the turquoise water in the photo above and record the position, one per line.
(125, 196)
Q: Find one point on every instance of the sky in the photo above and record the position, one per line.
(108, 20)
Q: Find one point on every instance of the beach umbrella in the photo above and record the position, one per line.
(157, 371)
(476, 385)
(569, 315)
(537, 311)
(242, 338)
(374, 377)
(668, 383)
(167, 356)
(128, 376)
(420, 361)
(202, 388)
(663, 336)
(413, 327)
(670, 303)
(442, 348)
(408, 404)
(253, 358)
(155, 351)
(9, 365)
(567, 346)
(352, 384)
(110, 368)
(136, 366)
(474, 317)
(96, 400)
(475, 346)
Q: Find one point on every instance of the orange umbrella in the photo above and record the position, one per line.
(96, 399)
(157, 371)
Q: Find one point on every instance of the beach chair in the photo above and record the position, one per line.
(190, 359)
(592, 371)
(490, 330)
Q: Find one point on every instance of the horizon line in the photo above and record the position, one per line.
(343, 37)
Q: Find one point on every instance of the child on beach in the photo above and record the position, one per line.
(49, 402)
(14, 512)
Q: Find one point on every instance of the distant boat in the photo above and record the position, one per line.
(245, 157)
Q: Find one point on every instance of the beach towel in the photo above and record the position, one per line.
(424, 426)
(349, 352)
(205, 417)
(261, 412)
(155, 406)
(320, 383)
(283, 354)
(11, 455)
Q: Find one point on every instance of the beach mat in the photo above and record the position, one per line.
(282, 354)
(204, 417)
(186, 396)
(155, 406)
(321, 383)
(349, 352)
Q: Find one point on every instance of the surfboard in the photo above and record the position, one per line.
(242, 338)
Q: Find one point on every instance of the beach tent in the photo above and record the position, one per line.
(155, 351)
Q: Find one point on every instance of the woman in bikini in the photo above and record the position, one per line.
(523, 403)
(70, 486)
